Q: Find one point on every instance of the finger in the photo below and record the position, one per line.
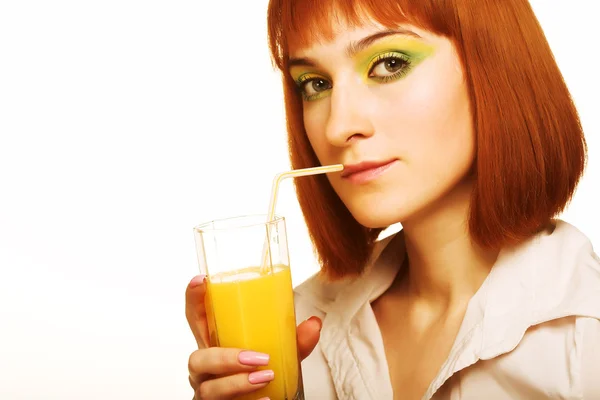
(231, 386)
(223, 361)
(193, 384)
(308, 333)
(195, 310)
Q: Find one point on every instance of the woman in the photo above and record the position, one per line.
(452, 118)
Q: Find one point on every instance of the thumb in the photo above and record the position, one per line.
(195, 310)
(308, 333)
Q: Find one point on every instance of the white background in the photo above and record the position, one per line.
(123, 124)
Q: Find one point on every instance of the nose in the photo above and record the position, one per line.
(348, 115)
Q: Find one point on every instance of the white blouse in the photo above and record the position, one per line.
(532, 330)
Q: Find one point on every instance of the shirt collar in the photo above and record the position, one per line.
(539, 280)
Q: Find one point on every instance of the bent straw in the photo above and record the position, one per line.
(275, 191)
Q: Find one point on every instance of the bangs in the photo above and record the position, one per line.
(303, 22)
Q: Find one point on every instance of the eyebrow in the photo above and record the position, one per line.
(355, 47)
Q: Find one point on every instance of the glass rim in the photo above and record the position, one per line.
(210, 226)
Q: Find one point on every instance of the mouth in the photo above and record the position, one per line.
(366, 171)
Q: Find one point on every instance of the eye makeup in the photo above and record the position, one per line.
(387, 60)
(312, 86)
(398, 55)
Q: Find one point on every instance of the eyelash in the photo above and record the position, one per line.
(305, 80)
(405, 68)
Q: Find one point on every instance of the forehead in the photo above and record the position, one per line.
(336, 19)
(338, 34)
(346, 38)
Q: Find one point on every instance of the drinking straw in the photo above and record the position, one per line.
(275, 191)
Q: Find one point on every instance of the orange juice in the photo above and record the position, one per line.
(256, 312)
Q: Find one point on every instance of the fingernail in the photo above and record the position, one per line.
(264, 398)
(261, 377)
(197, 281)
(253, 358)
(317, 320)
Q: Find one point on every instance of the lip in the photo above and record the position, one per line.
(366, 171)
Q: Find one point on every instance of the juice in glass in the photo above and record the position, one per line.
(247, 309)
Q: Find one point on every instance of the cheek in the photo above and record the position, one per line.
(315, 121)
(431, 120)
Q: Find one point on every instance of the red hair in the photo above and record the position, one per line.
(530, 148)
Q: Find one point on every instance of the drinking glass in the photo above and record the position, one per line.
(249, 300)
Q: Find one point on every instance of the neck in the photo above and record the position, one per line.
(445, 268)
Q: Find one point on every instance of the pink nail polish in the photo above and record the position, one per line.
(197, 281)
(264, 398)
(253, 358)
(261, 377)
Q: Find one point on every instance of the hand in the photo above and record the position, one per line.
(224, 373)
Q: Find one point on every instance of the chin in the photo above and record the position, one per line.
(377, 216)
(375, 209)
(375, 220)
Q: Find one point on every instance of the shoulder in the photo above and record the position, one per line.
(553, 274)
(543, 315)
(566, 273)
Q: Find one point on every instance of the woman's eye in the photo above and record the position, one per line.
(387, 66)
(315, 86)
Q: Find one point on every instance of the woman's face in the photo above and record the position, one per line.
(392, 106)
